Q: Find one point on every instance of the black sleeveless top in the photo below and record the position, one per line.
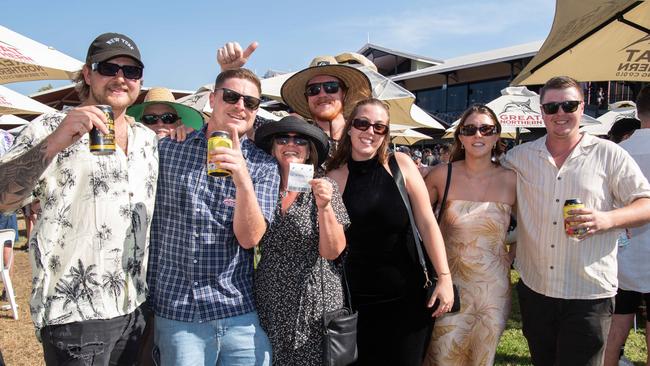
(378, 264)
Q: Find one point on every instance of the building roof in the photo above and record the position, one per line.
(387, 60)
(475, 60)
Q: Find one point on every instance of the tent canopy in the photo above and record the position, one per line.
(599, 40)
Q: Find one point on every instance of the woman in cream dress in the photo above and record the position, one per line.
(474, 226)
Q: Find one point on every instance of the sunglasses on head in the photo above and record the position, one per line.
(470, 130)
(166, 118)
(110, 69)
(568, 106)
(232, 97)
(285, 139)
(364, 125)
(331, 87)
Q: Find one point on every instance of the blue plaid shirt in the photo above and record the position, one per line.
(197, 269)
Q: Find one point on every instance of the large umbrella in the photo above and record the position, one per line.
(407, 137)
(16, 103)
(200, 101)
(401, 101)
(23, 59)
(598, 40)
(608, 119)
(11, 120)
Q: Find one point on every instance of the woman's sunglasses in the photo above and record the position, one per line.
(232, 97)
(470, 130)
(285, 139)
(110, 69)
(568, 106)
(166, 118)
(331, 87)
(364, 125)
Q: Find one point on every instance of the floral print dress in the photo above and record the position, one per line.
(474, 234)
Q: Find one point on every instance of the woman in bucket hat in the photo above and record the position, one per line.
(300, 247)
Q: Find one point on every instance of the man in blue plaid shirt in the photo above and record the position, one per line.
(202, 235)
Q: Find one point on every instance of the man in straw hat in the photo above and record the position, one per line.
(89, 249)
(325, 92)
(203, 232)
(162, 114)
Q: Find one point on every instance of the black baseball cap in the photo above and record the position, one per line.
(111, 45)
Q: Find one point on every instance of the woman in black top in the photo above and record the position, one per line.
(395, 318)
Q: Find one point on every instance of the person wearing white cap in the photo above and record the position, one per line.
(89, 248)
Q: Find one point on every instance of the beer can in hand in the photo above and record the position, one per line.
(218, 139)
(103, 144)
(572, 204)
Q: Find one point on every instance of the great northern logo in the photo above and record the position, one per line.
(636, 59)
(520, 114)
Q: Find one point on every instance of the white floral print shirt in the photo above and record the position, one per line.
(90, 245)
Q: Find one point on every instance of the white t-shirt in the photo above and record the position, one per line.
(634, 259)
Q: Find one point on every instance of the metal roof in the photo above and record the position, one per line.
(475, 60)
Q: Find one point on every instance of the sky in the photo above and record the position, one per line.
(178, 40)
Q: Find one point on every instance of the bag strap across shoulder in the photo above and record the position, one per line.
(444, 196)
(399, 181)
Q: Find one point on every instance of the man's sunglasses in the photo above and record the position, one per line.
(364, 125)
(232, 97)
(166, 118)
(110, 69)
(470, 130)
(568, 106)
(285, 139)
(331, 87)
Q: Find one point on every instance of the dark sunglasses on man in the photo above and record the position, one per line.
(232, 97)
(110, 69)
(285, 139)
(363, 125)
(166, 118)
(568, 106)
(331, 87)
(485, 130)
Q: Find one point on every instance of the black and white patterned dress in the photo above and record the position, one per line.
(288, 281)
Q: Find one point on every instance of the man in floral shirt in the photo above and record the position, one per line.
(89, 248)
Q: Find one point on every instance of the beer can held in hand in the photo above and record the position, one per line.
(218, 139)
(100, 143)
(572, 204)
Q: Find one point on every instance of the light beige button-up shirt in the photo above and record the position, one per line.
(90, 245)
(599, 173)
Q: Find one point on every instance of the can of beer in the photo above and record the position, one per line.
(103, 144)
(218, 139)
(572, 204)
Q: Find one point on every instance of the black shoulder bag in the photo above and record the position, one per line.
(429, 284)
(339, 328)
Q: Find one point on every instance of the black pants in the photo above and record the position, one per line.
(564, 332)
(95, 342)
(393, 332)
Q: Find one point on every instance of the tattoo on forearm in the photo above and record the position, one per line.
(20, 175)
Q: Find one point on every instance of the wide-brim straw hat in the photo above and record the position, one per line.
(190, 116)
(356, 83)
(264, 134)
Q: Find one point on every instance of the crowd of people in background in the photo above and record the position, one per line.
(141, 257)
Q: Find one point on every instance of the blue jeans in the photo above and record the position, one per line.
(9, 222)
(238, 340)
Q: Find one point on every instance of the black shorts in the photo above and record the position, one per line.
(628, 302)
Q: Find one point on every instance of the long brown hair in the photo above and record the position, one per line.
(344, 150)
(457, 151)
